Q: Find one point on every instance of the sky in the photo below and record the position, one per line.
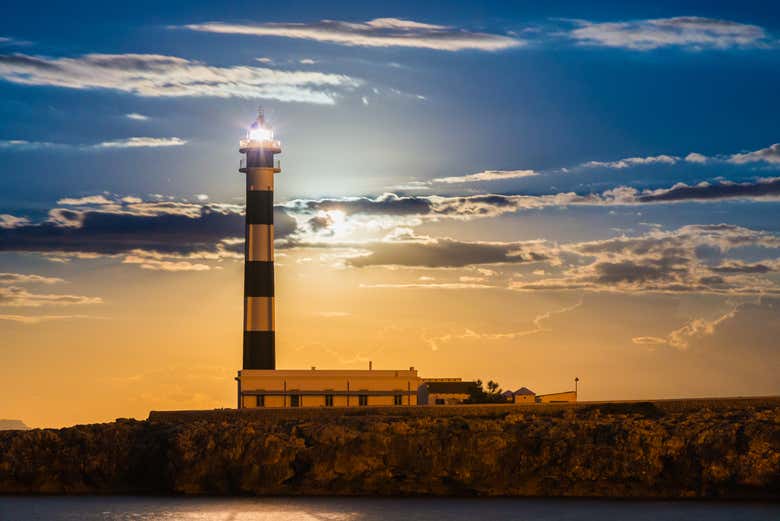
(519, 191)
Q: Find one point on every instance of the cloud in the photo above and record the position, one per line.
(694, 329)
(132, 142)
(431, 206)
(164, 265)
(417, 285)
(444, 252)
(675, 261)
(136, 116)
(379, 32)
(19, 297)
(89, 199)
(695, 157)
(770, 154)
(633, 161)
(159, 230)
(768, 188)
(191, 233)
(24, 278)
(435, 343)
(487, 175)
(390, 210)
(8, 221)
(690, 32)
(147, 142)
(153, 75)
(23, 144)
(37, 319)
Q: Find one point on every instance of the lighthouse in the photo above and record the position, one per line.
(260, 384)
(260, 166)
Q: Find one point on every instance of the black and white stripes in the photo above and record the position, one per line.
(259, 336)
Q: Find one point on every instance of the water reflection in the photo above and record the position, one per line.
(115, 508)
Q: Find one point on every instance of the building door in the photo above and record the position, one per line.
(295, 400)
(362, 400)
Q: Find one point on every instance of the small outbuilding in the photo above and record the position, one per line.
(441, 391)
(525, 395)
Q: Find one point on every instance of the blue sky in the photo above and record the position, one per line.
(546, 159)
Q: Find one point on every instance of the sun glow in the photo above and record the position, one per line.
(260, 134)
(337, 221)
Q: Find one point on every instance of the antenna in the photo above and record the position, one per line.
(260, 114)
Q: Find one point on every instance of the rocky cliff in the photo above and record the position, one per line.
(619, 450)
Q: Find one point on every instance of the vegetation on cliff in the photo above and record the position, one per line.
(637, 450)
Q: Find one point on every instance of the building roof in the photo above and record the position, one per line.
(449, 387)
(525, 391)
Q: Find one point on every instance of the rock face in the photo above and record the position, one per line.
(618, 450)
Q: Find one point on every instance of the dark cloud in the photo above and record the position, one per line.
(433, 207)
(681, 192)
(665, 261)
(117, 228)
(746, 267)
(449, 253)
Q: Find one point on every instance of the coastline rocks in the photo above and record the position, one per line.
(596, 451)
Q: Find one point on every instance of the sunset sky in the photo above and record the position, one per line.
(518, 191)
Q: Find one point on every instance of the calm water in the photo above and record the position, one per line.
(360, 509)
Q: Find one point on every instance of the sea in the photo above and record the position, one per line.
(111, 508)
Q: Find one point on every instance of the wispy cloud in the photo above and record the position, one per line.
(487, 175)
(142, 142)
(435, 343)
(770, 154)
(136, 116)
(153, 264)
(27, 278)
(19, 297)
(690, 32)
(8, 221)
(155, 75)
(426, 285)
(379, 32)
(131, 142)
(37, 319)
(22, 144)
(694, 329)
(633, 161)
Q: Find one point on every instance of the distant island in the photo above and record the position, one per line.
(12, 425)
(719, 448)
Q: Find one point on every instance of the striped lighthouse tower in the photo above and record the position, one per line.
(259, 166)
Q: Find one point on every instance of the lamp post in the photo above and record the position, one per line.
(576, 384)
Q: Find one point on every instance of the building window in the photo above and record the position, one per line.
(328, 400)
(295, 400)
(398, 399)
(362, 400)
(260, 400)
(439, 401)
